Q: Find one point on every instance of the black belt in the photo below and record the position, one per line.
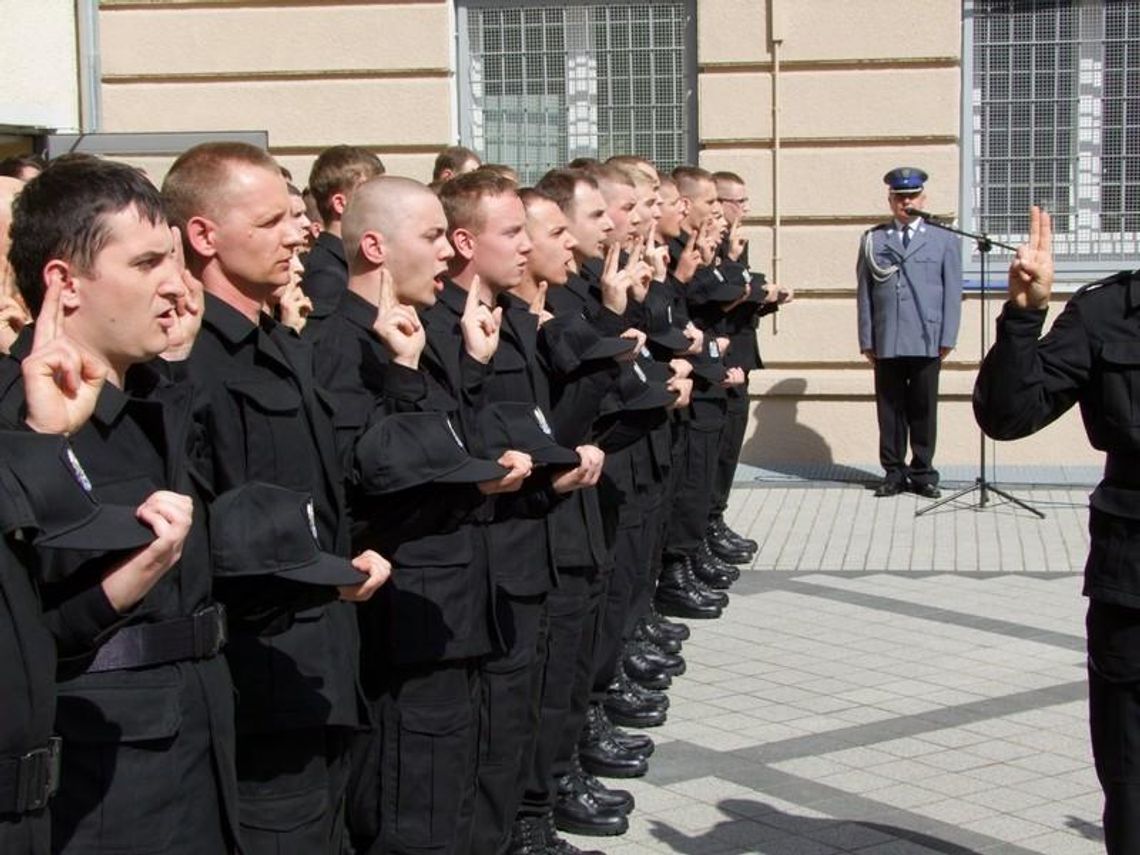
(199, 636)
(28, 781)
(1123, 469)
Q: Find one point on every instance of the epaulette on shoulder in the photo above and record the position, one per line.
(1121, 278)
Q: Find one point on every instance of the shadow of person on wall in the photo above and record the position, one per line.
(782, 444)
(753, 826)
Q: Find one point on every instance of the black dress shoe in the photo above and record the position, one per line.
(556, 845)
(719, 527)
(927, 491)
(642, 671)
(888, 488)
(662, 624)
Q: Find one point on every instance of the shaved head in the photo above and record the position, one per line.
(382, 205)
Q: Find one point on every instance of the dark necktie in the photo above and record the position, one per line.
(906, 236)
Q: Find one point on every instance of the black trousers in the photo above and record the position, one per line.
(688, 517)
(151, 782)
(906, 398)
(1114, 719)
(630, 569)
(567, 674)
(292, 788)
(511, 682)
(413, 776)
(728, 453)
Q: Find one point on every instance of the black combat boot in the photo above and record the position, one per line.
(601, 753)
(625, 706)
(555, 845)
(719, 528)
(678, 596)
(662, 624)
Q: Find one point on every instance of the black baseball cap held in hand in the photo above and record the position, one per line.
(261, 529)
(410, 449)
(635, 391)
(57, 503)
(572, 340)
(660, 329)
(523, 427)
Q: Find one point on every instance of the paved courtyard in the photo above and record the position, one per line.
(884, 685)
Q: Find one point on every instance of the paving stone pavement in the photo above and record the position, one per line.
(884, 685)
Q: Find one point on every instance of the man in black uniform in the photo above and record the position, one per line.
(260, 418)
(738, 323)
(424, 636)
(487, 228)
(335, 174)
(43, 505)
(1091, 357)
(147, 719)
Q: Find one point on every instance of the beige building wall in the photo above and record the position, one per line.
(852, 101)
(850, 104)
(376, 74)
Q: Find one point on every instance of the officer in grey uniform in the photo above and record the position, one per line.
(909, 305)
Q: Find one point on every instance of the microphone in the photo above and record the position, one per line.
(914, 212)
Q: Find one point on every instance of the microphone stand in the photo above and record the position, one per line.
(983, 487)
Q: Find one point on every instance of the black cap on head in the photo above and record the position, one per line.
(523, 427)
(261, 529)
(571, 340)
(57, 502)
(410, 449)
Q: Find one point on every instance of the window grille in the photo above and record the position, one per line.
(544, 83)
(1053, 107)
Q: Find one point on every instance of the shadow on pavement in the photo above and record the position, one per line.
(760, 828)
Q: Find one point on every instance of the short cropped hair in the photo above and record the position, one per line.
(462, 194)
(338, 170)
(725, 177)
(560, 185)
(687, 177)
(192, 185)
(607, 173)
(502, 169)
(62, 214)
(453, 157)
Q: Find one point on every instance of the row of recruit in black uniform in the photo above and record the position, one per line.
(521, 399)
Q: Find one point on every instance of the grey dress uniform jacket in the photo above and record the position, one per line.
(909, 299)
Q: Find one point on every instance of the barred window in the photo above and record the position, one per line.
(1054, 119)
(544, 83)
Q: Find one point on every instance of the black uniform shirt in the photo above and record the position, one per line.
(260, 418)
(1091, 356)
(326, 275)
(433, 607)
